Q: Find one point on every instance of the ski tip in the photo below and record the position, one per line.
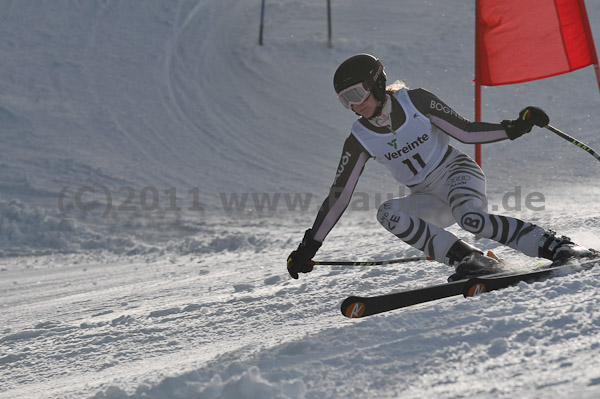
(353, 308)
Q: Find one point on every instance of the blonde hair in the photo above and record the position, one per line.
(397, 85)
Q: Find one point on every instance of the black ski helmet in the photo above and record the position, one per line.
(361, 68)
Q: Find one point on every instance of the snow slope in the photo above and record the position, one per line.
(149, 149)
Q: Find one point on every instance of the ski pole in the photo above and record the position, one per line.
(369, 263)
(574, 141)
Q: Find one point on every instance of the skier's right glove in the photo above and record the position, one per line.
(528, 117)
(299, 260)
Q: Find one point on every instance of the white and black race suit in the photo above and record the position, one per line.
(446, 185)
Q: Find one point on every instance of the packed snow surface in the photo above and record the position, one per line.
(158, 166)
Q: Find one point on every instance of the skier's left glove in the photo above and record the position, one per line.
(299, 260)
(528, 117)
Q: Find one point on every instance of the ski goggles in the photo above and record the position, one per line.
(353, 95)
(359, 92)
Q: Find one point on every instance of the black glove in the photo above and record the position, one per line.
(528, 117)
(299, 260)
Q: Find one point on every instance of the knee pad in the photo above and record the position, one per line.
(470, 217)
(390, 218)
(384, 211)
(472, 221)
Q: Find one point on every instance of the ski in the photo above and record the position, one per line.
(479, 285)
(356, 306)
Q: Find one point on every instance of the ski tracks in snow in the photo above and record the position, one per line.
(227, 319)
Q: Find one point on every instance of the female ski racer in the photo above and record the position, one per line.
(408, 131)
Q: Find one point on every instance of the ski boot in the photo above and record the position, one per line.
(470, 262)
(561, 250)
